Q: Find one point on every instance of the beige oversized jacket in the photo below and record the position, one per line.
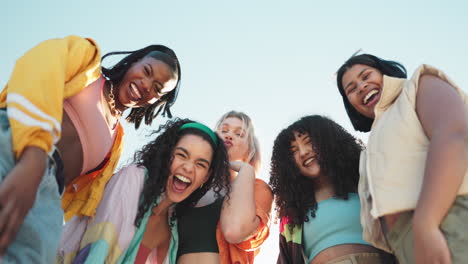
(392, 167)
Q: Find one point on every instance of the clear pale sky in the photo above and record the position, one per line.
(274, 60)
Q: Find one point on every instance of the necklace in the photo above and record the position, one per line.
(115, 112)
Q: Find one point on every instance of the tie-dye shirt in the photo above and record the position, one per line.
(111, 236)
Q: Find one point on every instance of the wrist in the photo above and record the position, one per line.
(247, 169)
(423, 222)
(33, 159)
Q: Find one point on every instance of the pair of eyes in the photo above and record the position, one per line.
(199, 164)
(365, 77)
(237, 133)
(156, 87)
(306, 141)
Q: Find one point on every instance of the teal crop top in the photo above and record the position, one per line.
(336, 222)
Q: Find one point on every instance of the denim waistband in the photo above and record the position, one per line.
(59, 173)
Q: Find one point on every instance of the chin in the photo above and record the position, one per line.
(179, 198)
(174, 199)
(311, 176)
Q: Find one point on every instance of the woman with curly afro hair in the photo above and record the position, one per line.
(314, 175)
(136, 221)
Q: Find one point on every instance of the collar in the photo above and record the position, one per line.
(392, 87)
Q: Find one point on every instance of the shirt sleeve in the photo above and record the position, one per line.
(110, 232)
(40, 81)
(263, 203)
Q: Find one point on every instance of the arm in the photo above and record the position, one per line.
(18, 192)
(445, 122)
(33, 98)
(238, 215)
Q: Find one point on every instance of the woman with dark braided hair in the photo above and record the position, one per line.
(136, 221)
(314, 176)
(59, 117)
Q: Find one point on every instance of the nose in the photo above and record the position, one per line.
(146, 84)
(362, 86)
(228, 136)
(303, 150)
(188, 167)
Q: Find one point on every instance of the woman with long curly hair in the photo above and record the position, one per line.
(414, 177)
(230, 230)
(136, 221)
(314, 176)
(60, 128)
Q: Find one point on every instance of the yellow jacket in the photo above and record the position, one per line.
(42, 78)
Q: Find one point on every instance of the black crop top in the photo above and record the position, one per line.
(197, 229)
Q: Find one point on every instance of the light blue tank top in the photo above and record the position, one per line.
(337, 222)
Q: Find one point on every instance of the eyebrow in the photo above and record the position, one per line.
(233, 127)
(293, 145)
(302, 137)
(224, 125)
(359, 75)
(183, 150)
(151, 68)
(205, 161)
(188, 154)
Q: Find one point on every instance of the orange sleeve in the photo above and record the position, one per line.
(263, 203)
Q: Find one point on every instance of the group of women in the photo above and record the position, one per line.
(191, 194)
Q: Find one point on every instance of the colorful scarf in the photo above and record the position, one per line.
(84, 194)
(130, 254)
(291, 251)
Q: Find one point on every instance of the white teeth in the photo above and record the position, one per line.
(183, 178)
(135, 90)
(307, 162)
(371, 93)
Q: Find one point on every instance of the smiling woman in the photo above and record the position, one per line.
(60, 114)
(145, 82)
(143, 201)
(314, 175)
(230, 230)
(414, 149)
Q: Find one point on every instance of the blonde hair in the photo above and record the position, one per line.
(254, 157)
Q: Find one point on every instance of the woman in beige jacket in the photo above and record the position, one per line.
(414, 180)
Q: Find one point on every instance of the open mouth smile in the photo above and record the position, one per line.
(135, 92)
(180, 183)
(370, 96)
(308, 161)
